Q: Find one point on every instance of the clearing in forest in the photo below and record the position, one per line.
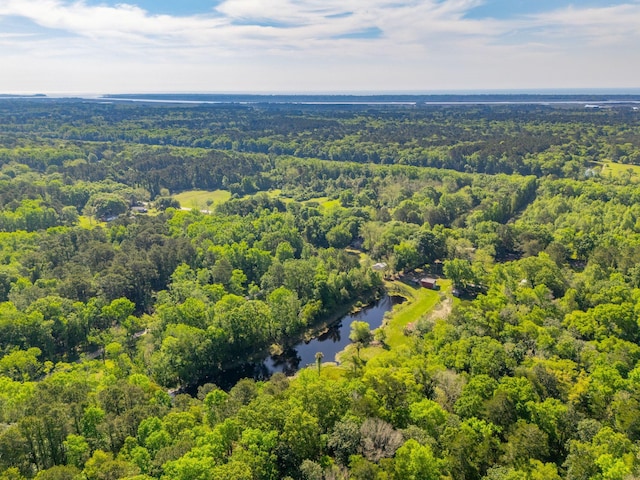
(202, 199)
(620, 170)
(420, 302)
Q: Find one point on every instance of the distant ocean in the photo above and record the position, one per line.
(542, 97)
(589, 97)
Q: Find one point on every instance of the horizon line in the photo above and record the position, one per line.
(490, 91)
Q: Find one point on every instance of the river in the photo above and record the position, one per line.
(330, 343)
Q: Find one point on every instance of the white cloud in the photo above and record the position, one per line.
(305, 21)
(609, 25)
(423, 44)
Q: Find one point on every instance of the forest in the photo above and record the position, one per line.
(123, 310)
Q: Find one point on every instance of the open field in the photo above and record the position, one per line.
(324, 202)
(89, 223)
(420, 302)
(620, 170)
(329, 204)
(201, 199)
(275, 193)
(198, 198)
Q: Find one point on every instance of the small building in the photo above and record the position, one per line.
(430, 283)
(139, 209)
(379, 267)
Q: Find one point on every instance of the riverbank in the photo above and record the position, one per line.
(420, 303)
(297, 351)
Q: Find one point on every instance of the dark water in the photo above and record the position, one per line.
(334, 340)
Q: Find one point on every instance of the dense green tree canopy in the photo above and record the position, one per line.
(114, 334)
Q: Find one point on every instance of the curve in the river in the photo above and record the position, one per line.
(330, 342)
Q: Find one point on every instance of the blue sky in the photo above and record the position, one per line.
(317, 45)
(492, 9)
(170, 7)
(504, 9)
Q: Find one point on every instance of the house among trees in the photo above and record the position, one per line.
(429, 283)
(379, 267)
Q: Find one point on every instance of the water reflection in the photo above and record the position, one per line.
(332, 334)
(336, 337)
(330, 342)
(288, 362)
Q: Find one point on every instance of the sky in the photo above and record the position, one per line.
(306, 46)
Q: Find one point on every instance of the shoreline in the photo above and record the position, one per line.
(306, 336)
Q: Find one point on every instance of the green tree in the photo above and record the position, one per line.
(525, 442)
(472, 448)
(69, 216)
(339, 236)
(118, 311)
(77, 450)
(416, 462)
(285, 310)
(460, 273)
(360, 334)
(301, 434)
(406, 256)
(102, 466)
(21, 365)
(104, 205)
(59, 472)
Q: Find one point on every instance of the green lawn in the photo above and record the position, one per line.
(89, 223)
(324, 202)
(277, 193)
(329, 204)
(198, 198)
(202, 199)
(318, 200)
(620, 170)
(420, 302)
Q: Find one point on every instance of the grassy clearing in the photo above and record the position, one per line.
(90, 223)
(273, 193)
(202, 199)
(198, 198)
(420, 302)
(324, 202)
(331, 371)
(362, 257)
(620, 170)
(318, 200)
(276, 193)
(330, 204)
